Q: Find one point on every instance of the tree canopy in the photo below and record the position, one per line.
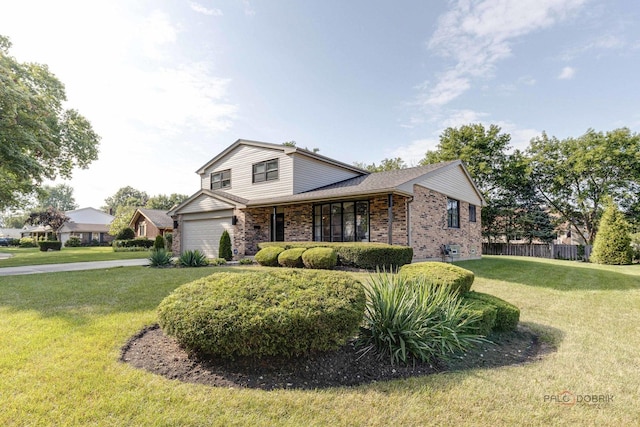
(59, 196)
(385, 165)
(576, 175)
(164, 202)
(39, 138)
(126, 196)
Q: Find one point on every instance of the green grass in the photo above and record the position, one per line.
(61, 334)
(33, 256)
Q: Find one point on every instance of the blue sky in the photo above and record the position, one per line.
(169, 84)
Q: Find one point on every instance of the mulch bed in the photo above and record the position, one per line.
(155, 352)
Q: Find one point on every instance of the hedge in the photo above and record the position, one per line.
(280, 312)
(507, 314)
(368, 255)
(47, 245)
(291, 257)
(458, 279)
(320, 258)
(140, 242)
(269, 256)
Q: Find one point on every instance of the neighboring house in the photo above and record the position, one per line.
(87, 224)
(262, 192)
(12, 233)
(151, 223)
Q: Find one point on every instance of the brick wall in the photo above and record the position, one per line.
(379, 220)
(429, 230)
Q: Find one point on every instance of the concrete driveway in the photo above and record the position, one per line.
(73, 266)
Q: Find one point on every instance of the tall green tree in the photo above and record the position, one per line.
(123, 214)
(39, 138)
(484, 151)
(612, 244)
(575, 175)
(125, 196)
(59, 196)
(385, 165)
(164, 202)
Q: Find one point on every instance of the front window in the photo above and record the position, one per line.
(221, 179)
(453, 213)
(341, 222)
(265, 171)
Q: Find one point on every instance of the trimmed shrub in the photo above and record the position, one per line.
(126, 234)
(457, 279)
(158, 242)
(320, 258)
(224, 248)
(28, 242)
(168, 238)
(370, 256)
(159, 258)
(407, 320)
(140, 242)
(193, 258)
(73, 242)
(269, 256)
(291, 257)
(245, 261)
(50, 245)
(484, 315)
(218, 261)
(507, 314)
(283, 312)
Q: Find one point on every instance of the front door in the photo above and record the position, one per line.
(278, 227)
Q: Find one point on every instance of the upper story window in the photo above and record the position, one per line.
(265, 171)
(453, 213)
(472, 213)
(221, 179)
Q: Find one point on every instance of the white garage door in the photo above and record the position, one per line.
(204, 235)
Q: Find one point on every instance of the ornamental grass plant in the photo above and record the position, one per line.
(415, 319)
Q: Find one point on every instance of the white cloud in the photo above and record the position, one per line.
(567, 73)
(156, 31)
(478, 34)
(197, 7)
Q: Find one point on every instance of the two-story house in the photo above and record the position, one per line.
(262, 192)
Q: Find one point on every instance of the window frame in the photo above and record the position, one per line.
(222, 179)
(324, 228)
(472, 213)
(264, 175)
(453, 213)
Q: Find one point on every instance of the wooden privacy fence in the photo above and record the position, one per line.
(537, 250)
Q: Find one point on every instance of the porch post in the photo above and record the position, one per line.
(390, 219)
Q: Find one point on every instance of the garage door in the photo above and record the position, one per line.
(204, 235)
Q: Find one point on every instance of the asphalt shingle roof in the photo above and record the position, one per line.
(158, 217)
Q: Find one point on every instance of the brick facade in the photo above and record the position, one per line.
(420, 222)
(429, 228)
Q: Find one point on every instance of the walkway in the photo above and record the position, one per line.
(73, 266)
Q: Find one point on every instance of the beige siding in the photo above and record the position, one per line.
(310, 174)
(452, 182)
(240, 161)
(204, 203)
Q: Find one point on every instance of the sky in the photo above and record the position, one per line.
(170, 84)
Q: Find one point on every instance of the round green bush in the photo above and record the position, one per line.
(320, 258)
(457, 279)
(269, 256)
(283, 312)
(507, 314)
(291, 257)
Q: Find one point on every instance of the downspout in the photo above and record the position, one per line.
(390, 218)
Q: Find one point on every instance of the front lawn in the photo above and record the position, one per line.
(61, 336)
(34, 256)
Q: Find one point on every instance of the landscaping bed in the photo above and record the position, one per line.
(155, 352)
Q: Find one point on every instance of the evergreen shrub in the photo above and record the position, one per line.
(320, 258)
(291, 258)
(457, 279)
(268, 256)
(280, 312)
(224, 248)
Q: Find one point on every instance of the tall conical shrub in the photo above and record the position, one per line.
(613, 242)
(224, 250)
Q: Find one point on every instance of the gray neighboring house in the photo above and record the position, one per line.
(262, 192)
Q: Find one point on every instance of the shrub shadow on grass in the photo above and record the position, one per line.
(555, 274)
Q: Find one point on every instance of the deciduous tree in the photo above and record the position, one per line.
(39, 138)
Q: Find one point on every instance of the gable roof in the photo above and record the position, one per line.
(399, 181)
(157, 217)
(89, 216)
(284, 148)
